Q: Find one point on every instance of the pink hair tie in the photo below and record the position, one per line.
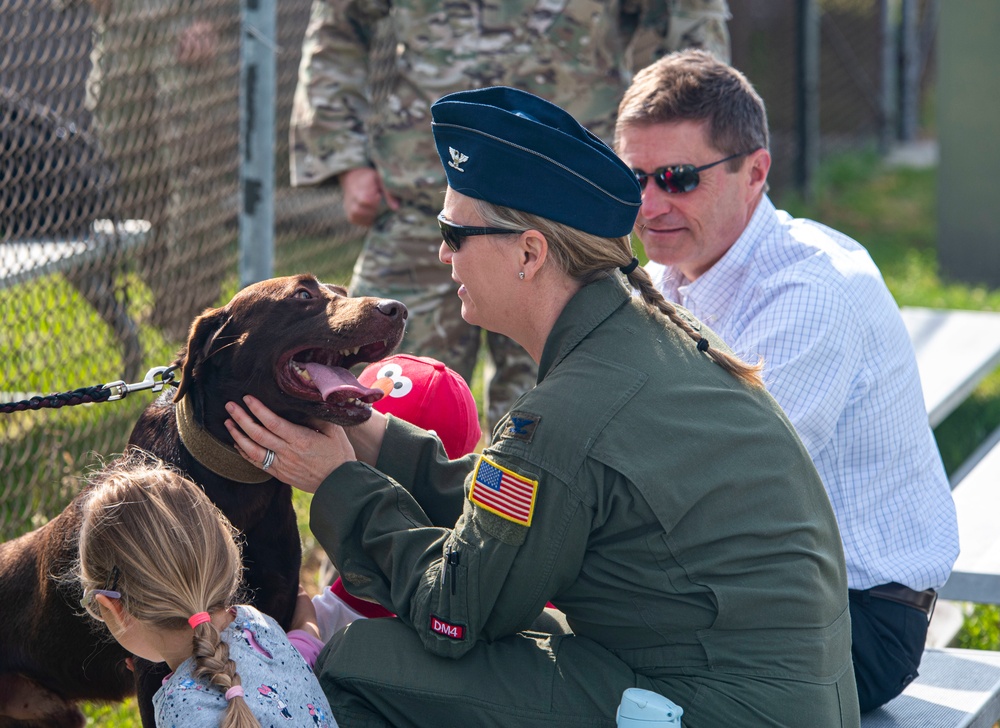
(234, 692)
(200, 618)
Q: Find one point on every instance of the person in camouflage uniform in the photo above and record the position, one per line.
(163, 95)
(370, 71)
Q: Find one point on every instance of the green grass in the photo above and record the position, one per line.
(120, 715)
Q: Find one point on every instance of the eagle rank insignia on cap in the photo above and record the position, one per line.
(457, 158)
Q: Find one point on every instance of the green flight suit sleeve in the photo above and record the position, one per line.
(408, 454)
(483, 579)
(331, 102)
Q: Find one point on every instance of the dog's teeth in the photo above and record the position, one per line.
(301, 372)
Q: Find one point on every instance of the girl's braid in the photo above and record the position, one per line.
(211, 656)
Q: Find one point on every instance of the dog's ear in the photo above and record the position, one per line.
(204, 331)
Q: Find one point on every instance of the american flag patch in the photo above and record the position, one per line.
(503, 492)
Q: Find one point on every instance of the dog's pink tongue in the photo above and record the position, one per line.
(338, 381)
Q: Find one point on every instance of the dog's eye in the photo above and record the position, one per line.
(302, 293)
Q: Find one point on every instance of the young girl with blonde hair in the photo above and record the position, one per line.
(160, 566)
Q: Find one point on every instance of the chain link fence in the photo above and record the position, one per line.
(119, 149)
(875, 61)
(119, 193)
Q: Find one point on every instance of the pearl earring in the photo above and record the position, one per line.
(521, 275)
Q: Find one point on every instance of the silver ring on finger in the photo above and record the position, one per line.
(268, 460)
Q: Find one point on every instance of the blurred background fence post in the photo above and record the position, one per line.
(808, 96)
(258, 53)
(888, 110)
(968, 109)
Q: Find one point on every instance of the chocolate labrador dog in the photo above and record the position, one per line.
(288, 341)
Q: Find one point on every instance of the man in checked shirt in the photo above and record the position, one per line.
(811, 304)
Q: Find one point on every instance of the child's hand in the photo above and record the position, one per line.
(304, 617)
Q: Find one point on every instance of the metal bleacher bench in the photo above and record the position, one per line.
(961, 687)
(956, 687)
(955, 350)
(87, 262)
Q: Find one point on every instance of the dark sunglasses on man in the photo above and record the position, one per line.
(677, 178)
(453, 234)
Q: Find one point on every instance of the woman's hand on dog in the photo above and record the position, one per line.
(303, 456)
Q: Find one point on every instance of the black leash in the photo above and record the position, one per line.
(156, 379)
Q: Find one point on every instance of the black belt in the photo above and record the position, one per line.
(893, 592)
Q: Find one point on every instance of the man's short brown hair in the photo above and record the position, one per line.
(693, 85)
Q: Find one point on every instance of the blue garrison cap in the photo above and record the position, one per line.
(514, 149)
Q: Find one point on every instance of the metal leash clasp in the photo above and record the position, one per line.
(156, 378)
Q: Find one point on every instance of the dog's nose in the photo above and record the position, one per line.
(392, 309)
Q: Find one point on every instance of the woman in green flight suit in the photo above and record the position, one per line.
(647, 486)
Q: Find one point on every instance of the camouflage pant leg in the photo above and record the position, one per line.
(699, 24)
(400, 261)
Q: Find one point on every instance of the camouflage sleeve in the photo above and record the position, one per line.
(672, 25)
(331, 98)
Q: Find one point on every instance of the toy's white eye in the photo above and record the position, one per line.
(390, 371)
(401, 386)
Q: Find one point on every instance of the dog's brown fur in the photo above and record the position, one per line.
(51, 654)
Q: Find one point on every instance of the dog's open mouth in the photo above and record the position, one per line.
(323, 375)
